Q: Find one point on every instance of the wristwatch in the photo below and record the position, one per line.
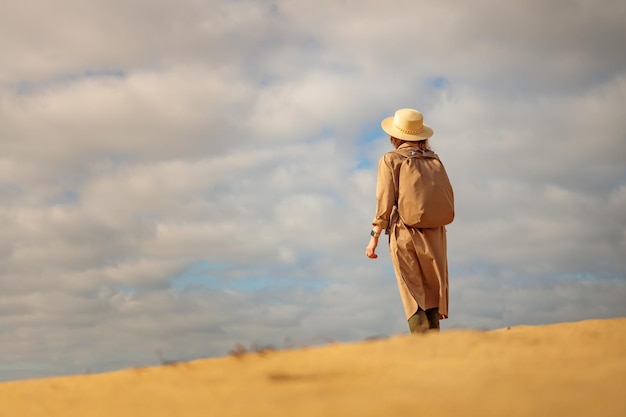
(373, 233)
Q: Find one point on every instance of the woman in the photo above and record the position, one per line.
(419, 254)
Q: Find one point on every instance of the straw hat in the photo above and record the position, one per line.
(407, 124)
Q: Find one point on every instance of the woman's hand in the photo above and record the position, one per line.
(370, 251)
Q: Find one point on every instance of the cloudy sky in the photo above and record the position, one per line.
(182, 176)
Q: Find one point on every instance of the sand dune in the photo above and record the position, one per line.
(567, 369)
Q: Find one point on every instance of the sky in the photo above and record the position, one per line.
(180, 177)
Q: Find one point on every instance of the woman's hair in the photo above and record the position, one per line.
(421, 144)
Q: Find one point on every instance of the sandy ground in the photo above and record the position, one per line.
(567, 369)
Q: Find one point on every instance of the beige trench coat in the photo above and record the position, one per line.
(419, 256)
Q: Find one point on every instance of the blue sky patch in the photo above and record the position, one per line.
(214, 275)
(438, 82)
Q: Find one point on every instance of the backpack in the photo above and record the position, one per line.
(427, 199)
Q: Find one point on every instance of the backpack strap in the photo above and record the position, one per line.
(417, 153)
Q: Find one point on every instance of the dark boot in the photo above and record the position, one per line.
(432, 315)
(418, 322)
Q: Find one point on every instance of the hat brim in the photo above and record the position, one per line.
(388, 127)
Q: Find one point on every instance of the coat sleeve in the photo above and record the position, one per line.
(385, 193)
